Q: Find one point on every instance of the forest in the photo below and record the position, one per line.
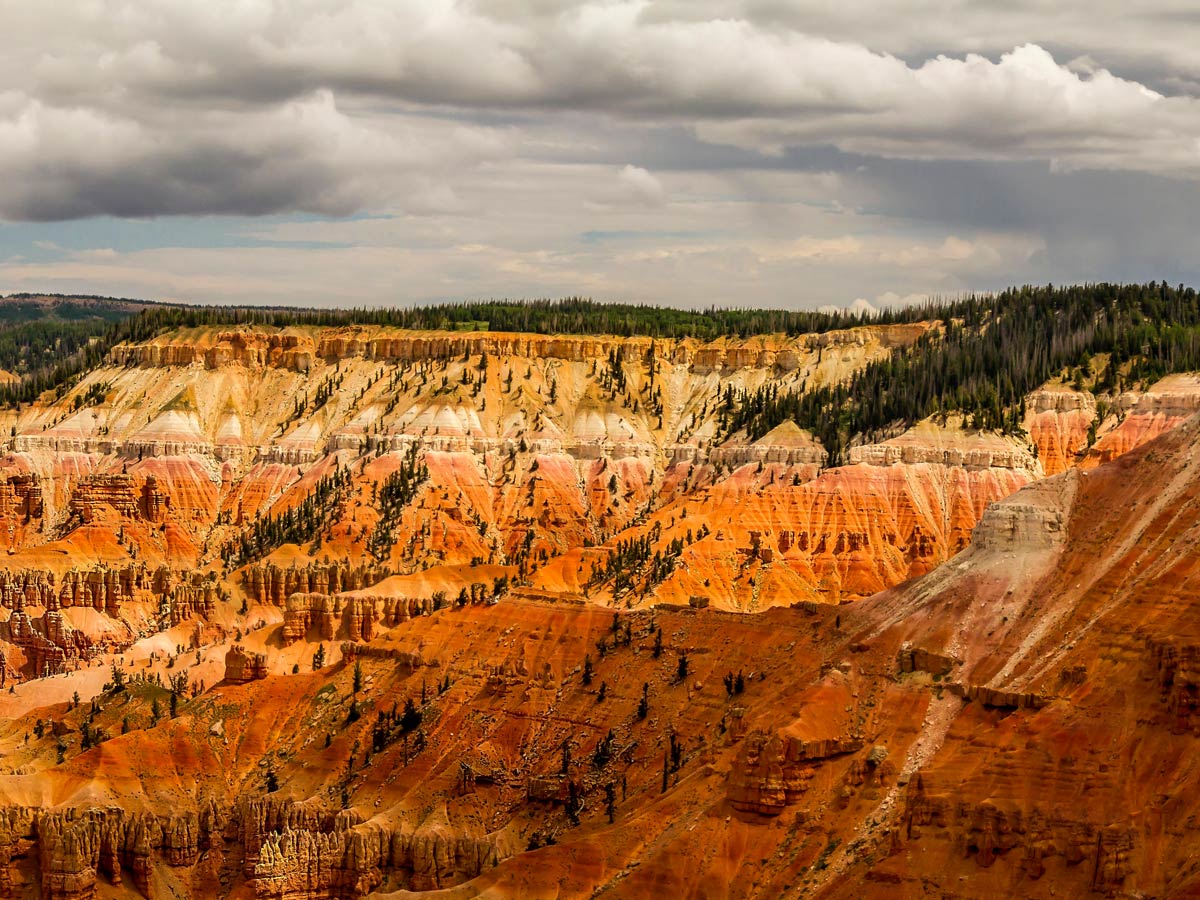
(298, 524)
(37, 333)
(991, 350)
(49, 350)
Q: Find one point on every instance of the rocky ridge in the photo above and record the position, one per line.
(458, 691)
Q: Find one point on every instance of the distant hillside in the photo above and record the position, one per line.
(993, 350)
(48, 340)
(38, 333)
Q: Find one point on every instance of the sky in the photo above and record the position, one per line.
(683, 152)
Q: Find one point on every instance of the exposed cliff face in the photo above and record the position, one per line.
(75, 848)
(531, 680)
(334, 857)
(120, 493)
(1037, 650)
(300, 349)
(1058, 422)
(245, 347)
(1140, 418)
(535, 450)
(535, 446)
(780, 534)
(960, 734)
(354, 618)
(274, 585)
(772, 772)
(199, 434)
(286, 851)
(47, 617)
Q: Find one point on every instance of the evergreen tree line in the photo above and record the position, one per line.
(397, 491)
(52, 351)
(1002, 344)
(37, 334)
(298, 525)
(991, 353)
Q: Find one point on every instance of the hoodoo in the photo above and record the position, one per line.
(316, 606)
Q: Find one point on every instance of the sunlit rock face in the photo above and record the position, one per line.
(331, 613)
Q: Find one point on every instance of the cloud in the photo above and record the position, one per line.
(1024, 106)
(163, 107)
(691, 151)
(861, 305)
(306, 155)
(641, 186)
(510, 245)
(894, 252)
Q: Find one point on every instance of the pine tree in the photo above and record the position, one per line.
(410, 720)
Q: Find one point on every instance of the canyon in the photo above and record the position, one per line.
(311, 612)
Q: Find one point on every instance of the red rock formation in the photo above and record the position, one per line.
(772, 771)
(918, 659)
(241, 667)
(96, 491)
(1144, 417)
(76, 847)
(251, 349)
(50, 640)
(268, 583)
(1058, 423)
(295, 850)
(1047, 754)
(845, 534)
(354, 617)
(21, 496)
(1178, 665)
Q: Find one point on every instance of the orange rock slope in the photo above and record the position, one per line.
(1017, 723)
(550, 457)
(314, 613)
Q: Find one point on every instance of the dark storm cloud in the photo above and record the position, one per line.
(196, 181)
(1116, 225)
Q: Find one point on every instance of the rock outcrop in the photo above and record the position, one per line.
(772, 771)
(347, 616)
(268, 583)
(21, 496)
(50, 640)
(76, 847)
(257, 349)
(1026, 840)
(1178, 670)
(297, 850)
(918, 659)
(241, 666)
(288, 850)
